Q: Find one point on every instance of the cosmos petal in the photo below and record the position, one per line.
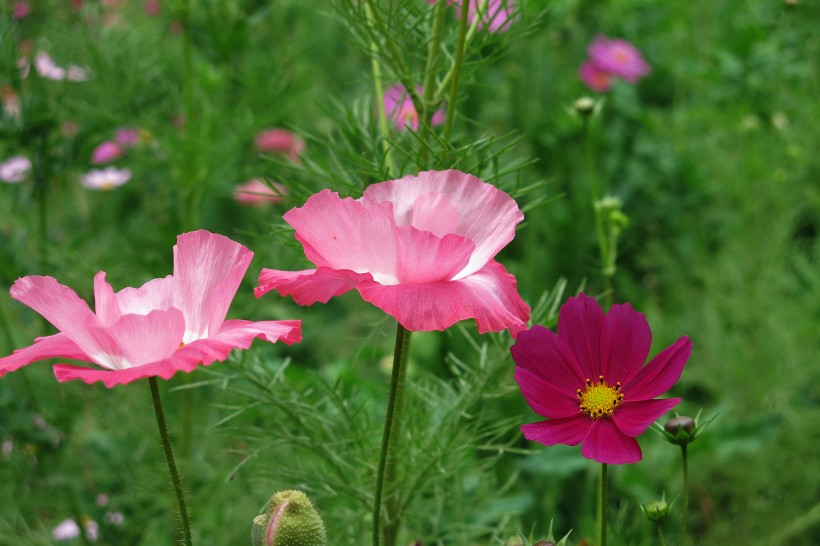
(625, 342)
(580, 321)
(633, 418)
(546, 355)
(544, 397)
(570, 431)
(605, 443)
(660, 373)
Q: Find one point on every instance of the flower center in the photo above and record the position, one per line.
(600, 399)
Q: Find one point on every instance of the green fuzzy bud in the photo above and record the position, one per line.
(656, 511)
(289, 519)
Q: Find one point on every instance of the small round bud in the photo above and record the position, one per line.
(686, 424)
(543, 543)
(289, 519)
(657, 510)
(584, 106)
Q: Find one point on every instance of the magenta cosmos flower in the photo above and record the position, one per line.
(590, 381)
(280, 141)
(400, 109)
(420, 248)
(595, 78)
(106, 152)
(167, 325)
(618, 58)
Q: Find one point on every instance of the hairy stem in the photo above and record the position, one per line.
(387, 459)
(169, 457)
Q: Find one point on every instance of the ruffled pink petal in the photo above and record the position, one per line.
(486, 215)
(625, 342)
(63, 308)
(234, 334)
(570, 431)
(435, 213)
(542, 352)
(153, 295)
(105, 301)
(423, 257)
(633, 418)
(544, 397)
(661, 373)
(605, 443)
(580, 322)
(208, 269)
(346, 234)
(308, 286)
(148, 338)
(56, 346)
(489, 296)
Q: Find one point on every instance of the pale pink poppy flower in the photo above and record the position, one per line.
(21, 10)
(170, 324)
(420, 248)
(105, 179)
(127, 137)
(591, 382)
(400, 109)
(106, 152)
(14, 169)
(618, 58)
(279, 141)
(595, 78)
(256, 193)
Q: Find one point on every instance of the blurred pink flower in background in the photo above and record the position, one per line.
(421, 249)
(401, 111)
(152, 7)
(590, 380)
(612, 59)
(11, 102)
(105, 179)
(175, 323)
(256, 193)
(14, 169)
(47, 68)
(282, 141)
(495, 14)
(68, 530)
(127, 137)
(21, 10)
(106, 152)
(595, 78)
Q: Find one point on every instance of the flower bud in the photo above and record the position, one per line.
(680, 430)
(543, 543)
(656, 510)
(289, 519)
(584, 107)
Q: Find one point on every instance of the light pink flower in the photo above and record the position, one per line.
(47, 68)
(21, 10)
(11, 102)
(256, 192)
(280, 141)
(66, 530)
(105, 179)
(400, 109)
(496, 14)
(127, 137)
(167, 325)
(590, 381)
(420, 248)
(595, 78)
(106, 152)
(618, 58)
(152, 8)
(14, 169)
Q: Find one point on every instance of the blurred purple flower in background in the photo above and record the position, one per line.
(610, 59)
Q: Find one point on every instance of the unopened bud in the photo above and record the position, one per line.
(543, 543)
(584, 106)
(289, 519)
(680, 430)
(656, 510)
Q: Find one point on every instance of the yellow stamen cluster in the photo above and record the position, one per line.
(600, 399)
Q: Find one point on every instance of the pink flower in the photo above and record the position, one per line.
(105, 179)
(496, 14)
(152, 8)
(256, 192)
(280, 141)
(618, 58)
(167, 325)
(48, 69)
(590, 381)
(400, 109)
(106, 152)
(14, 169)
(21, 10)
(420, 248)
(595, 78)
(127, 137)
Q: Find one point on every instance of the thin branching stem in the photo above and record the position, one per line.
(456, 73)
(685, 515)
(427, 106)
(387, 458)
(379, 90)
(184, 518)
(602, 515)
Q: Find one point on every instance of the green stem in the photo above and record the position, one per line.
(377, 84)
(445, 81)
(427, 106)
(661, 540)
(602, 513)
(387, 458)
(456, 71)
(169, 457)
(685, 516)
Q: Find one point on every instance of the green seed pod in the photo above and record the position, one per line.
(289, 519)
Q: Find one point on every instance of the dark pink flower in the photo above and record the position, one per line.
(106, 152)
(400, 109)
(280, 141)
(152, 8)
(21, 10)
(127, 137)
(256, 193)
(167, 325)
(496, 15)
(420, 248)
(590, 381)
(595, 78)
(618, 58)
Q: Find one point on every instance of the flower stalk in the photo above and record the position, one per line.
(379, 90)
(456, 72)
(387, 459)
(685, 513)
(602, 513)
(172, 467)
